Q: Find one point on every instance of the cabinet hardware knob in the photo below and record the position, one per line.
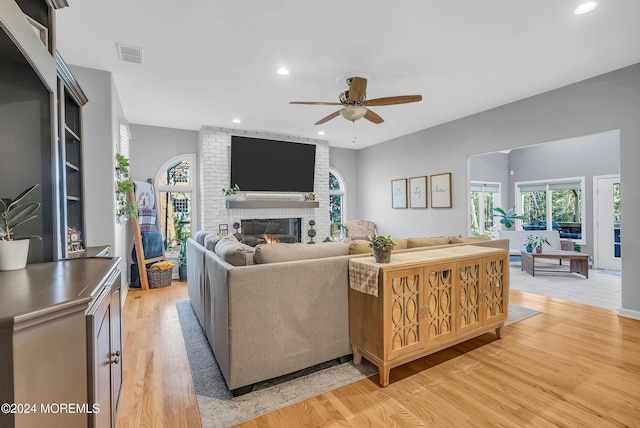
(115, 354)
(116, 360)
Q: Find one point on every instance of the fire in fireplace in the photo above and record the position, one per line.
(263, 231)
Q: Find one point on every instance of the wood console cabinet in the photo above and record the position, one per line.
(60, 344)
(427, 301)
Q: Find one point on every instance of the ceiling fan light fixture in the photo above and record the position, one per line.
(585, 7)
(283, 71)
(353, 113)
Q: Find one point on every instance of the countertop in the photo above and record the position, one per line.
(41, 288)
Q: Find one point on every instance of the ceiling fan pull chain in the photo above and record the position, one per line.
(354, 132)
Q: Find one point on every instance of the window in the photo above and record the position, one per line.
(337, 198)
(553, 205)
(484, 197)
(175, 205)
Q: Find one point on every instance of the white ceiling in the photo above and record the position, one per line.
(216, 60)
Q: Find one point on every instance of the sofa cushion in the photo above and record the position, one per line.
(427, 242)
(200, 235)
(360, 246)
(456, 240)
(401, 244)
(234, 252)
(211, 240)
(280, 252)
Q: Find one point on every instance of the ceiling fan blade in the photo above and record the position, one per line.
(402, 99)
(328, 118)
(357, 89)
(373, 117)
(319, 103)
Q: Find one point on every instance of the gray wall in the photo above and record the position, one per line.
(345, 161)
(152, 146)
(607, 102)
(494, 168)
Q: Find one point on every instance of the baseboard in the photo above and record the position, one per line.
(629, 313)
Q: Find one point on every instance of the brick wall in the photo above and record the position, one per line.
(214, 166)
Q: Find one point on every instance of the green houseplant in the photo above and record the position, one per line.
(124, 210)
(338, 231)
(15, 250)
(535, 242)
(231, 192)
(382, 247)
(507, 218)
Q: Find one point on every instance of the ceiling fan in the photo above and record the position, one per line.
(355, 103)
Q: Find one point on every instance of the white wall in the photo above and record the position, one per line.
(345, 161)
(607, 102)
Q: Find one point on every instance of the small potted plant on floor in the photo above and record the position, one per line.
(13, 250)
(382, 247)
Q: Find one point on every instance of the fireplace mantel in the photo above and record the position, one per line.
(262, 203)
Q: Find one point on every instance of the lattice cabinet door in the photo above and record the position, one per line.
(495, 278)
(403, 331)
(470, 289)
(438, 302)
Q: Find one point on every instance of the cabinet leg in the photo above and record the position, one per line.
(499, 331)
(384, 375)
(357, 356)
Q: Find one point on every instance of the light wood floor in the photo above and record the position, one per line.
(572, 365)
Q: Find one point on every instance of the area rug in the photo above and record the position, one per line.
(610, 272)
(219, 409)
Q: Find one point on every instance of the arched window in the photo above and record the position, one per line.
(337, 198)
(175, 186)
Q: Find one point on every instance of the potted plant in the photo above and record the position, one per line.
(232, 192)
(182, 262)
(507, 218)
(535, 242)
(529, 243)
(13, 250)
(382, 247)
(338, 231)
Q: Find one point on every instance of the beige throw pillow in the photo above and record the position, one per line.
(234, 252)
(427, 242)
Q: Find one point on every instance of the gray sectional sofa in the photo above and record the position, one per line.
(276, 308)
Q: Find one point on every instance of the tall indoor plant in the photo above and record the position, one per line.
(14, 250)
(507, 218)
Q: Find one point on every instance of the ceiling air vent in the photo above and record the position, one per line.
(129, 53)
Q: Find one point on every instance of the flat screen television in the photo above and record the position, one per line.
(272, 166)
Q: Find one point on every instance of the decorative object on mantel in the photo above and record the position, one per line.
(311, 231)
(223, 229)
(310, 197)
(14, 251)
(124, 209)
(236, 226)
(232, 193)
(382, 247)
(441, 190)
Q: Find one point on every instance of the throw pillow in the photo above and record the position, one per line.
(211, 240)
(200, 235)
(234, 252)
(427, 242)
(276, 253)
(360, 246)
(479, 238)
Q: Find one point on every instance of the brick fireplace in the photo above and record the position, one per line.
(214, 166)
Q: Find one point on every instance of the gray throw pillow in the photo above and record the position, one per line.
(234, 252)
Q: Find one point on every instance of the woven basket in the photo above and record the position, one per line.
(159, 278)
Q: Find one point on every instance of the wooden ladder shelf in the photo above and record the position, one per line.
(137, 240)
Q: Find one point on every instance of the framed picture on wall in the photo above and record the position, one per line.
(418, 192)
(441, 190)
(399, 193)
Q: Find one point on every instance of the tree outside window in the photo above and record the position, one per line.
(174, 207)
(336, 198)
(484, 197)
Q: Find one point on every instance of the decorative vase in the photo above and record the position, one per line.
(182, 273)
(382, 255)
(538, 250)
(13, 254)
(529, 248)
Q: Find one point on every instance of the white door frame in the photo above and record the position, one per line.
(596, 220)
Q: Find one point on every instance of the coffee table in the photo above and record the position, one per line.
(578, 262)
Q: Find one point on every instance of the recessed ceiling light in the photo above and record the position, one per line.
(320, 132)
(283, 71)
(585, 7)
(237, 121)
